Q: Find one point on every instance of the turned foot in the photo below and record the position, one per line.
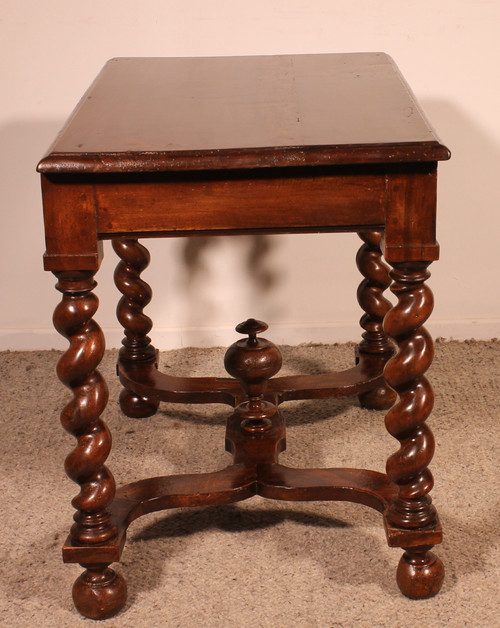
(420, 574)
(99, 592)
(380, 398)
(137, 407)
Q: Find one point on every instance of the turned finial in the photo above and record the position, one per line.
(252, 327)
(253, 361)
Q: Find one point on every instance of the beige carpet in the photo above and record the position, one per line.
(258, 563)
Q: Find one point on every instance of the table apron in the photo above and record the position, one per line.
(79, 213)
(239, 204)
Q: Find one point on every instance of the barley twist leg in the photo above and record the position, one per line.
(420, 573)
(372, 301)
(137, 349)
(77, 369)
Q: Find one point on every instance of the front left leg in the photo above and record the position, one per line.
(99, 592)
(420, 573)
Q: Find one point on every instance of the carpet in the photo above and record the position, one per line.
(258, 563)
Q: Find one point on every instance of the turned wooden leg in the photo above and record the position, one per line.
(372, 301)
(420, 573)
(77, 369)
(137, 349)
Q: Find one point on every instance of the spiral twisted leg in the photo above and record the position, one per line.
(372, 301)
(137, 349)
(77, 369)
(420, 573)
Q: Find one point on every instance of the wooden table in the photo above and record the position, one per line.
(285, 144)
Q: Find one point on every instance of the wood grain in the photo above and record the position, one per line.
(148, 115)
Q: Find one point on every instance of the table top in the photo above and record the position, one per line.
(161, 114)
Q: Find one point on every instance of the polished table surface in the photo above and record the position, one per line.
(280, 123)
(246, 145)
(190, 113)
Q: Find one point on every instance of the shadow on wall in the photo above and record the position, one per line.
(467, 185)
(22, 144)
(263, 276)
(468, 219)
(473, 169)
(252, 270)
(24, 283)
(468, 215)
(227, 278)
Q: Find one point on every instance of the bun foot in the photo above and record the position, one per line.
(99, 593)
(420, 574)
(381, 398)
(137, 407)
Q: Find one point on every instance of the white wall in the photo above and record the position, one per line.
(448, 50)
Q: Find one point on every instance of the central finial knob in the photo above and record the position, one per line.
(253, 361)
(252, 327)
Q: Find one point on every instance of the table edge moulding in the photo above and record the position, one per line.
(165, 147)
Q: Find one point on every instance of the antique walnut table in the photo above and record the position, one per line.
(162, 147)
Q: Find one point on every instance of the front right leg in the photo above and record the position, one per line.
(420, 573)
(99, 592)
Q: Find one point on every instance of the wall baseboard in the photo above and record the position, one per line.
(176, 338)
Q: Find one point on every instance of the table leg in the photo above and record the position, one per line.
(99, 592)
(372, 301)
(137, 350)
(420, 573)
